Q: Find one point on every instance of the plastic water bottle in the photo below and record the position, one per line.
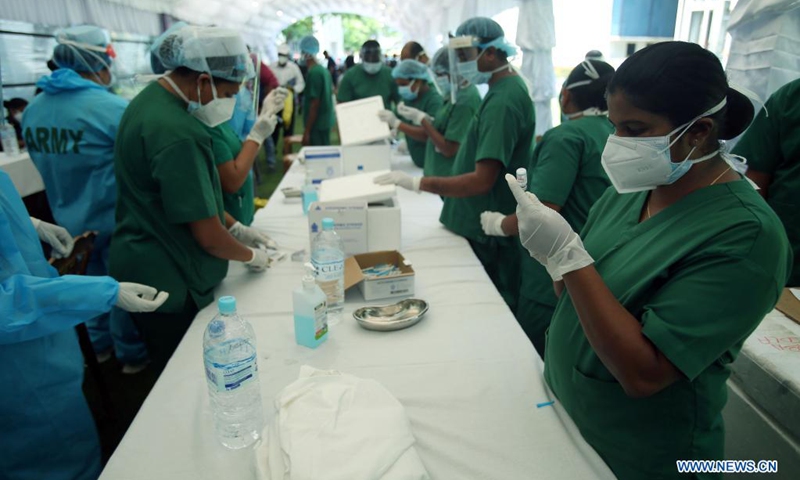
(327, 256)
(8, 137)
(230, 357)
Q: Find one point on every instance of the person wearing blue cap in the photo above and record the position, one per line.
(70, 130)
(48, 430)
(317, 97)
(412, 79)
(172, 231)
(499, 140)
(369, 78)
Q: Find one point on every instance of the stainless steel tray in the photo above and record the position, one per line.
(401, 315)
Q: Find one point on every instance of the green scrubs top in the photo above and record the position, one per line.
(429, 102)
(700, 276)
(452, 121)
(502, 130)
(565, 171)
(318, 85)
(357, 84)
(772, 145)
(226, 145)
(166, 178)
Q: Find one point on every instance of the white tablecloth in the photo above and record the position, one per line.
(23, 173)
(466, 375)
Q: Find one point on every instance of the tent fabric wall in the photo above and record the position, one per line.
(765, 47)
(536, 37)
(62, 13)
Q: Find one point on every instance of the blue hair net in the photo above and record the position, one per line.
(500, 43)
(84, 49)
(410, 69)
(220, 52)
(155, 61)
(484, 28)
(440, 63)
(309, 45)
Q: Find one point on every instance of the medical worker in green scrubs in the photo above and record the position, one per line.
(172, 231)
(772, 148)
(446, 129)
(678, 265)
(317, 96)
(412, 79)
(369, 78)
(566, 175)
(499, 140)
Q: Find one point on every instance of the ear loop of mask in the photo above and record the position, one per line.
(683, 129)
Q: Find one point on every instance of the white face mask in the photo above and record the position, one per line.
(213, 113)
(372, 67)
(282, 60)
(18, 117)
(635, 164)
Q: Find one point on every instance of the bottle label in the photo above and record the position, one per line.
(320, 320)
(329, 271)
(231, 376)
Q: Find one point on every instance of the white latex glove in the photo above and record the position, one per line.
(260, 261)
(546, 235)
(263, 128)
(400, 179)
(135, 297)
(275, 101)
(415, 115)
(55, 236)
(390, 118)
(492, 224)
(251, 237)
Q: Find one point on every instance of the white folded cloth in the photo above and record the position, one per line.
(333, 426)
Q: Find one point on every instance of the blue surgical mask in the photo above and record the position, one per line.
(372, 67)
(406, 93)
(469, 71)
(443, 82)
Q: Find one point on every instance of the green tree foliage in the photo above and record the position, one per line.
(357, 30)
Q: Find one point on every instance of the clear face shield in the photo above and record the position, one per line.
(460, 50)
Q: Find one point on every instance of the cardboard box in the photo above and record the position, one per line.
(322, 163)
(359, 123)
(379, 288)
(363, 227)
(366, 158)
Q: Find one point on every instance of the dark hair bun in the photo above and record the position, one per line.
(739, 114)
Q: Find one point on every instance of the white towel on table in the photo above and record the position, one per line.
(332, 426)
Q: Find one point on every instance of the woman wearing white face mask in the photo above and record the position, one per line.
(670, 279)
(171, 225)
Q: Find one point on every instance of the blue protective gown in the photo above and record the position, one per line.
(244, 115)
(47, 429)
(70, 129)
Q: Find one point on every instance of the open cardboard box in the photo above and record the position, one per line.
(380, 287)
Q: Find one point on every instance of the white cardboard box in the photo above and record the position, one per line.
(359, 123)
(379, 288)
(361, 187)
(366, 158)
(363, 227)
(322, 163)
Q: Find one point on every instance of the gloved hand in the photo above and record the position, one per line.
(415, 115)
(546, 235)
(274, 101)
(263, 128)
(55, 236)
(260, 261)
(492, 224)
(251, 237)
(135, 297)
(390, 118)
(400, 179)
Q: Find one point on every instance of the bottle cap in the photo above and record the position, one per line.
(327, 223)
(227, 304)
(310, 277)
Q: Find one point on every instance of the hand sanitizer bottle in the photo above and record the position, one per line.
(310, 311)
